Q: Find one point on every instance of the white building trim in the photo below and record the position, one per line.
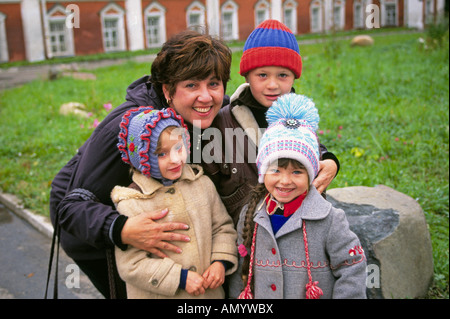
(4, 56)
(135, 28)
(213, 17)
(32, 30)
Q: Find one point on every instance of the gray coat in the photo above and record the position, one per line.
(280, 269)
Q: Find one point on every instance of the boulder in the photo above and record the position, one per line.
(394, 234)
(75, 108)
(362, 40)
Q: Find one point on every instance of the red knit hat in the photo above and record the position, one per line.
(271, 44)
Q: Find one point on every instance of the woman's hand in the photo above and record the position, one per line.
(143, 232)
(327, 172)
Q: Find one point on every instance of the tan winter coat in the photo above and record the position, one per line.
(193, 200)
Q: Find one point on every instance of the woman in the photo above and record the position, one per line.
(189, 74)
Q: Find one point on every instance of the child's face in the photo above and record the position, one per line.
(173, 155)
(286, 184)
(269, 82)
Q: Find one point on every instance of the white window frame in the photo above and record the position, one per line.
(261, 7)
(358, 6)
(58, 14)
(196, 8)
(290, 5)
(119, 17)
(316, 4)
(4, 56)
(230, 7)
(155, 9)
(384, 21)
(339, 19)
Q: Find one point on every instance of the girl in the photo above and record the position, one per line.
(292, 242)
(155, 144)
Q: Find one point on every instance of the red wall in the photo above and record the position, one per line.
(14, 31)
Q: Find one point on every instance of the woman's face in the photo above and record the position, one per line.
(197, 101)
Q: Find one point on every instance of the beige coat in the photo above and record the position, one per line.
(192, 200)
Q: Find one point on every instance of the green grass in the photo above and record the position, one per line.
(384, 112)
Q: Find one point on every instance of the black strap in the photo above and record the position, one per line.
(55, 244)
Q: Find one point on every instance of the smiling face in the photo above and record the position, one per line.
(171, 153)
(270, 82)
(286, 181)
(197, 101)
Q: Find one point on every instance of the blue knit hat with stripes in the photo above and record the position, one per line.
(139, 133)
(293, 120)
(271, 44)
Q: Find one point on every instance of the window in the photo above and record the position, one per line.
(429, 11)
(358, 15)
(155, 25)
(316, 16)
(261, 12)
(389, 13)
(196, 16)
(229, 21)
(290, 15)
(112, 17)
(4, 57)
(60, 36)
(339, 15)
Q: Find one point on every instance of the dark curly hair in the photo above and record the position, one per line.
(190, 55)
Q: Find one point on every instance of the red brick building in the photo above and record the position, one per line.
(35, 30)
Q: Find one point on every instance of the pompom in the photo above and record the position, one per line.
(290, 107)
(313, 291)
(246, 294)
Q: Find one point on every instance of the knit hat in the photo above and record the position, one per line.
(293, 120)
(139, 133)
(271, 44)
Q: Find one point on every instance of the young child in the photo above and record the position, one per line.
(270, 63)
(292, 242)
(154, 143)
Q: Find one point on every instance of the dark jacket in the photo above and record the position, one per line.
(233, 169)
(81, 191)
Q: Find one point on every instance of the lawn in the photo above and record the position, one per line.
(384, 113)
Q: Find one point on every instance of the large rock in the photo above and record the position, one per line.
(362, 41)
(395, 237)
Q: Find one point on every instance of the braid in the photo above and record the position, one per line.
(255, 197)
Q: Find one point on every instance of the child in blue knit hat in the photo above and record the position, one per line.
(155, 144)
(270, 63)
(293, 244)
